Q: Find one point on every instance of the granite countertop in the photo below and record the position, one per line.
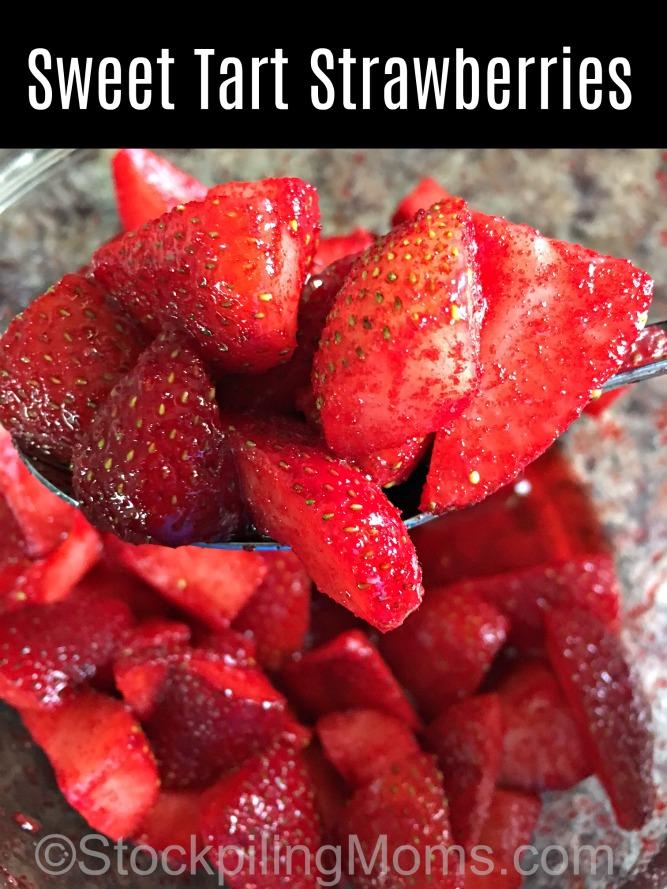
(613, 200)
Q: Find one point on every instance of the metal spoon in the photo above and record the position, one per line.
(57, 480)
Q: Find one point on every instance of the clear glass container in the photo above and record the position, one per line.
(57, 206)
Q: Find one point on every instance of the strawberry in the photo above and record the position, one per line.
(171, 826)
(43, 518)
(363, 743)
(53, 577)
(228, 714)
(330, 788)
(650, 345)
(467, 738)
(147, 185)
(101, 758)
(345, 674)
(560, 320)
(154, 465)
(610, 708)
(403, 816)
(334, 247)
(510, 825)
(276, 615)
(588, 582)
(426, 193)
(227, 270)
(209, 584)
(349, 537)
(260, 823)
(47, 650)
(542, 746)
(398, 356)
(443, 651)
(276, 390)
(58, 362)
(392, 466)
(545, 515)
(511, 822)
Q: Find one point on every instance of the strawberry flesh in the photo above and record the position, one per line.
(346, 673)
(444, 650)
(467, 739)
(542, 746)
(102, 761)
(147, 185)
(560, 320)
(47, 650)
(270, 796)
(209, 584)
(406, 807)
(398, 356)
(609, 705)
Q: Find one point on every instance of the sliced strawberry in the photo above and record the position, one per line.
(349, 537)
(542, 746)
(426, 193)
(443, 651)
(330, 789)
(467, 739)
(545, 515)
(391, 466)
(171, 826)
(153, 465)
(54, 577)
(278, 389)
(650, 345)
(345, 674)
(58, 362)
(363, 743)
(276, 615)
(228, 714)
(328, 619)
(44, 519)
(155, 632)
(269, 797)
(210, 584)
(108, 580)
(47, 650)
(511, 822)
(101, 758)
(398, 356)
(560, 320)
(609, 705)
(147, 186)
(227, 270)
(406, 809)
(140, 675)
(335, 247)
(588, 582)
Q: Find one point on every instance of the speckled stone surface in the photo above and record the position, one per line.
(614, 201)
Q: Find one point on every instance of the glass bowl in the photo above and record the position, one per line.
(57, 206)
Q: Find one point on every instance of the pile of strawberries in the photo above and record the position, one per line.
(199, 699)
(220, 369)
(220, 350)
